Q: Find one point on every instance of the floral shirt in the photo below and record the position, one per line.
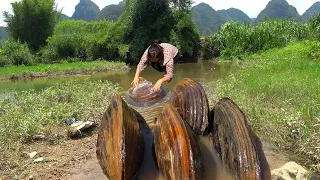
(169, 52)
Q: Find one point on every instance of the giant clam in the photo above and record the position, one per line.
(192, 104)
(177, 150)
(120, 143)
(240, 149)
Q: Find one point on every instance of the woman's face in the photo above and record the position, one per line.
(154, 59)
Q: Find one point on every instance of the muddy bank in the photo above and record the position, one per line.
(63, 73)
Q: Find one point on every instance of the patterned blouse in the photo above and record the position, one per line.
(169, 52)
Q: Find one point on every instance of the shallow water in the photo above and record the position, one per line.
(201, 72)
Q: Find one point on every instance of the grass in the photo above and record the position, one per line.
(64, 68)
(29, 113)
(279, 90)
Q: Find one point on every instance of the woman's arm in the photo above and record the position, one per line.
(159, 83)
(167, 78)
(135, 81)
(141, 66)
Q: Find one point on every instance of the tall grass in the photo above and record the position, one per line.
(234, 40)
(28, 113)
(279, 91)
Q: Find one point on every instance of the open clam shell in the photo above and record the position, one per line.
(120, 143)
(177, 149)
(142, 96)
(240, 149)
(192, 104)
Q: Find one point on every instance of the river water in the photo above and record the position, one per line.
(201, 72)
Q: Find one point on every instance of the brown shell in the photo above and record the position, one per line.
(240, 149)
(192, 104)
(177, 149)
(120, 143)
(142, 96)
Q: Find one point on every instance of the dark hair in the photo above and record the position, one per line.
(155, 50)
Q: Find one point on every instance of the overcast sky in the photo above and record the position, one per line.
(251, 7)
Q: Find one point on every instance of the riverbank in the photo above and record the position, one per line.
(58, 70)
(34, 121)
(279, 91)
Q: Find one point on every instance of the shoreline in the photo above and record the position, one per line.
(59, 73)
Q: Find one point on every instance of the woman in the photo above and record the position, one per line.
(162, 57)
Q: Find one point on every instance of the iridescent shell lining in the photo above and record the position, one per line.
(142, 96)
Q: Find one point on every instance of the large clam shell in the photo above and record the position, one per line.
(120, 143)
(142, 96)
(177, 149)
(240, 149)
(192, 104)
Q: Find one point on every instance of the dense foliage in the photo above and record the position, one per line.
(148, 20)
(86, 10)
(278, 9)
(32, 21)
(79, 39)
(15, 53)
(234, 40)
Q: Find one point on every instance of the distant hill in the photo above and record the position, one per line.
(314, 9)
(64, 17)
(112, 12)
(234, 15)
(86, 10)
(278, 9)
(3, 33)
(206, 18)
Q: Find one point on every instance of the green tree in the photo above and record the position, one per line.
(145, 21)
(32, 21)
(181, 5)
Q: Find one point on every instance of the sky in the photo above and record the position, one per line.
(251, 7)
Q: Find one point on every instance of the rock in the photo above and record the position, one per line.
(79, 127)
(32, 154)
(38, 159)
(290, 171)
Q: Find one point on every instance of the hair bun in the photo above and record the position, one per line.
(157, 41)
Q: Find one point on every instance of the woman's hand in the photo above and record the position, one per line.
(135, 82)
(156, 86)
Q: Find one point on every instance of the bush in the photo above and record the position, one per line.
(15, 53)
(87, 41)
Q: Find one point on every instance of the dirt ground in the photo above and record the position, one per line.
(65, 158)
